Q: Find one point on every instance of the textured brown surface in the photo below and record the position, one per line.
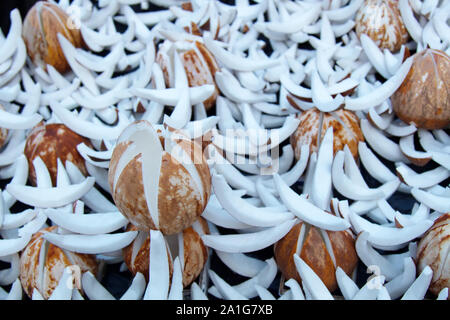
(195, 255)
(53, 265)
(200, 66)
(40, 29)
(346, 130)
(315, 253)
(433, 250)
(424, 96)
(382, 22)
(180, 200)
(50, 142)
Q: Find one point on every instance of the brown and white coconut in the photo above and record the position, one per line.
(382, 22)
(159, 181)
(42, 265)
(41, 26)
(199, 64)
(187, 245)
(433, 251)
(50, 142)
(314, 123)
(423, 99)
(322, 250)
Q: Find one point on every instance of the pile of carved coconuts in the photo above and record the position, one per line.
(161, 135)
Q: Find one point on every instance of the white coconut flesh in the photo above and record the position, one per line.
(175, 243)
(144, 141)
(137, 245)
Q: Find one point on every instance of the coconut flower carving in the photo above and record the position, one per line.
(314, 123)
(187, 245)
(199, 64)
(423, 99)
(42, 265)
(382, 22)
(159, 180)
(40, 29)
(433, 252)
(50, 142)
(322, 250)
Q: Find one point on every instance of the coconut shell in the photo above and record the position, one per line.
(50, 142)
(345, 125)
(423, 99)
(382, 22)
(41, 26)
(314, 251)
(433, 250)
(44, 274)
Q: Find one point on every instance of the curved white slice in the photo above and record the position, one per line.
(352, 190)
(420, 286)
(83, 74)
(422, 180)
(50, 197)
(96, 223)
(264, 278)
(9, 45)
(348, 288)
(296, 21)
(159, 278)
(406, 145)
(435, 202)
(411, 24)
(400, 130)
(430, 144)
(293, 88)
(8, 276)
(307, 211)
(232, 175)
(197, 293)
(389, 236)
(311, 280)
(231, 88)
(235, 62)
(19, 60)
(443, 294)
(263, 293)
(220, 217)
(381, 93)
(93, 198)
(15, 293)
(344, 13)
(176, 283)
(87, 128)
(171, 96)
(375, 55)
(297, 293)
(241, 264)
(242, 210)
(248, 242)
(63, 290)
(441, 158)
(400, 284)
(97, 41)
(370, 290)
(382, 145)
(373, 165)
(370, 257)
(227, 291)
(16, 220)
(91, 244)
(11, 246)
(322, 179)
(93, 289)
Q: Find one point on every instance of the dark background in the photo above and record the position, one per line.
(117, 282)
